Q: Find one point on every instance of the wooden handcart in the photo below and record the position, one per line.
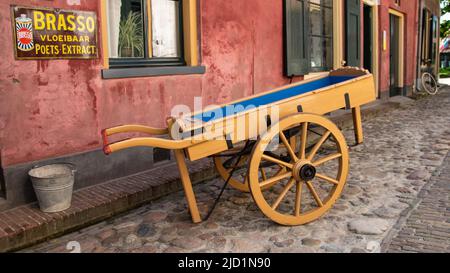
(295, 168)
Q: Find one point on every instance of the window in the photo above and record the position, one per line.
(434, 39)
(321, 33)
(145, 33)
(308, 36)
(429, 37)
(424, 30)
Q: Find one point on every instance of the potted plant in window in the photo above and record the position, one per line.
(131, 41)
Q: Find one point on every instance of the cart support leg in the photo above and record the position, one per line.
(187, 185)
(358, 124)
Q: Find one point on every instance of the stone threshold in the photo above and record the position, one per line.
(26, 225)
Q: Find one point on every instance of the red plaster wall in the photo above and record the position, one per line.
(52, 108)
(410, 9)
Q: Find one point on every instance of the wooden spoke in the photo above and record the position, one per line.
(263, 174)
(275, 179)
(288, 147)
(282, 170)
(328, 179)
(273, 205)
(314, 193)
(293, 142)
(326, 159)
(318, 145)
(283, 194)
(241, 163)
(237, 182)
(298, 198)
(243, 160)
(304, 138)
(277, 161)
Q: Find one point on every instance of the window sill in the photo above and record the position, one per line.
(314, 75)
(133, 72)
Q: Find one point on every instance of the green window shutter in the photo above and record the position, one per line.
(297, 40)
(353, 32)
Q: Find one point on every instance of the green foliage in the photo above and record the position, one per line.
(444, 72)
(445, 25)
(131, 35)
(445, 6)
(445, 29)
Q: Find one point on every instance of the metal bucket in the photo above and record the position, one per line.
(53, 185)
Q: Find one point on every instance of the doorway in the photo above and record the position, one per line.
(396, 55)
(429, 42)
(368, 38)
(353, 32)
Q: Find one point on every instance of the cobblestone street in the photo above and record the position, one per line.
(396, 199)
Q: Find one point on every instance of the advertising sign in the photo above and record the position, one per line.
(45, 33)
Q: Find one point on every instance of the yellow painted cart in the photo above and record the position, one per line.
(276, 145)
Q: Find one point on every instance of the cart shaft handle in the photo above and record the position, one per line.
(146, 142)
(135, 129)
(107, 147)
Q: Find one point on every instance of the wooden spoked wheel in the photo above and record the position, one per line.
(226, 161)
(316, 170)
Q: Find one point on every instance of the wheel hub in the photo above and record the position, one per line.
(304, 171)
(307, 172)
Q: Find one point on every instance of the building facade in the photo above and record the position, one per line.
(398, 33)
(149, 55)
(429, 37)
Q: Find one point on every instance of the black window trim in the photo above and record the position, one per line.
(135, 72)
(147, 61)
